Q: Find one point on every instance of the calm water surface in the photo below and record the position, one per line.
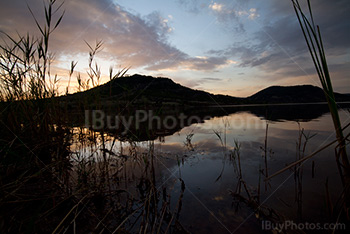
(208, 205)
(200, 156)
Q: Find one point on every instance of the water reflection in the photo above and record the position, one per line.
(203, 166)
(143, 125)
(202, 156)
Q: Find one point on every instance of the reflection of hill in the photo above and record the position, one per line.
(296, 112)
(290, 112)
(167, 100)
(155, 125)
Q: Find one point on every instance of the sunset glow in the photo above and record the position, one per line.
(227, 47)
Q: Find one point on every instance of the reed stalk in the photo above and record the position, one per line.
(314, 43)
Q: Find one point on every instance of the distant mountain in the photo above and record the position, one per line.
(148, 89)
(294, 94)
(151, 91)
(126, 95)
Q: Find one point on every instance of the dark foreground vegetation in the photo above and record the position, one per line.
(59, 178)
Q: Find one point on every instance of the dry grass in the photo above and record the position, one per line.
(313, 39)
(54, 177)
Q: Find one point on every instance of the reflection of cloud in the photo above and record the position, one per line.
(170, 147)
(218, 198)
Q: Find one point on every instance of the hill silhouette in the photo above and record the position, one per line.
(137, 89)
(148, 89)
(126, 95)
(293, 94)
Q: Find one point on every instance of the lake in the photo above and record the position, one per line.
(212, 173)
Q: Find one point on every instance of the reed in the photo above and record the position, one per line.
(301, 144)
(188, 143)
(313, 39)
(54, 175)
(266, 152)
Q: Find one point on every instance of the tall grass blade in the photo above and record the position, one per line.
(313, 37)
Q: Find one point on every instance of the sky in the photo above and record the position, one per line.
(234, 47)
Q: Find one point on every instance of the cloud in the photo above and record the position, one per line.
(219, 8)
(199, 63)
(129, 39)
(198, 83)
(207, 63)
(278, 49)
(212, 79)
(233, 14)
(192, 6)
(252, 14)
